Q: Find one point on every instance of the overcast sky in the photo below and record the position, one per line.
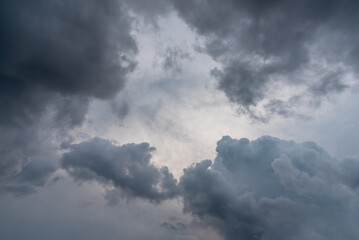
(179, 119)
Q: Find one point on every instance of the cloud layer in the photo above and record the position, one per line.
(264, 47)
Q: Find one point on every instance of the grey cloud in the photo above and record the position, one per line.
(267, 188)
(20, 175)
(330, 84)
(175, 227)
(55, 57)
(240, 84)
(27, 158)
(273, 189)
(149, 10)
(120, 109)
(173, 58)
(80, 48)
(67, 46)
(279, 107)
(125, 167)
(278, 41)
(349, 172)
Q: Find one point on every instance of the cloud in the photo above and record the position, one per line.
(23, 176)
(173, 58)
(55, 57)
(273, 189)
(266, 47)
(81, 48)
(67, 46)
(126, 167)
(120, 109)
(267, 188)
(27, 157)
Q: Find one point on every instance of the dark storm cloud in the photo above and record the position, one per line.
(80, 48)
(125, 167)
(277, 41)
(55, 56)
(273, 189)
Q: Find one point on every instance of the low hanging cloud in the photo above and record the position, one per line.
(267, 188)
(286, 43)
(126, 168)
(273, 189)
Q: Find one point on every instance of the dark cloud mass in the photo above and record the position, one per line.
(80, 48)
(55, 56)
(261, 44)
(274, 189)
(126, 167)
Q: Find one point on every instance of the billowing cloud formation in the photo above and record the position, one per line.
(265, 46)
(274, 189)
(262, 189)
(55, 56)
(126, 167)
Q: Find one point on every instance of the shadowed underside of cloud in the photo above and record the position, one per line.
(127, 168)
(307, 44)
(55, 57)
(263, 189)
(274, 189)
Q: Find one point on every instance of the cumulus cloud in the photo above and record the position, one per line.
(286, 43)
(267, 188)
(127, 168)
(273, 189)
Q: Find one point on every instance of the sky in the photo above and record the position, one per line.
(179, 119)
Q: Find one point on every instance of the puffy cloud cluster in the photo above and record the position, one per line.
(126, 167)
(263, 189)
(273, 189)
(262, 45)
